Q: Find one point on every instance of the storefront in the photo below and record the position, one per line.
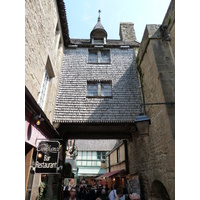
(35, 132)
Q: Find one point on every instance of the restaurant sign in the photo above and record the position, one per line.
(47, 157)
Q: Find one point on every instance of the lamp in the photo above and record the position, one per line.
(38, 119)
(142, 123)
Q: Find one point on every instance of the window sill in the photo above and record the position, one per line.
(99, 97)
(109, 63)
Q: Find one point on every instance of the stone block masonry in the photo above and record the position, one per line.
(153, 157)
(42, 42)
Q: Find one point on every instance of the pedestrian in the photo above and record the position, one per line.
(113, 193)
(66, 192)
(42, 186)
(72, 194)
(134, 196)
(125, 193)
(119, 194)
(103, 195)
(107, 189)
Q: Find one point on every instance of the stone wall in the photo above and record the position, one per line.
(127, 31)
(153, 157)
(43, 46)
(43, 40)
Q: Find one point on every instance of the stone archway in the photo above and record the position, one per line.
(158, 191)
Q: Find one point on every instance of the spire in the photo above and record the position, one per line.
(99, 18)
(98, 28)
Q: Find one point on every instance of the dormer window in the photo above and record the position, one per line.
(98, 34)
(98, 40)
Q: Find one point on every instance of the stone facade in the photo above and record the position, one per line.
(43, 47)
(153, 157)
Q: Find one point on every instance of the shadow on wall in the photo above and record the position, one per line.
(125, 102)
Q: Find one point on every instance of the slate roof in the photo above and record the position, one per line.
(95, 145)
(63, 21)
(110, 42)
(98, 25)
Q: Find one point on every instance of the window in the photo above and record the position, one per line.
(99, 89)
(93, 58)
(101, 155)
(99, 56)
(48, 74)
(43, 90)
(105, 57)
(98, 40)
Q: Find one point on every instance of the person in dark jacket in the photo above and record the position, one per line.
(103, 195)
(72, 194)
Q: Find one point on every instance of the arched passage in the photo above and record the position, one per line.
(158, 191)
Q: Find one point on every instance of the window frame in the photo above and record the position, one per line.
(99, 89)
(101, 155)
(99, 57)
(44, 89)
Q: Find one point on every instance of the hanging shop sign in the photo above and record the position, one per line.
(47, 157)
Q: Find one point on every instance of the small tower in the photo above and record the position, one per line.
(98, 34)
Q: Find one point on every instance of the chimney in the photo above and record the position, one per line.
(127, 32)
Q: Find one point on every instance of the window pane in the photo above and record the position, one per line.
(105, 57)
(84, 155)
(94, 155)
(83, 163)
(89, 155)
(89, 163)
(43, 88)
(93, 163)
(103, 155)
(98, 163)
(105, 89)
(79, 155)
(92, 89)
(98, 41)
(78, 162)
(93, 58)
(98, 155)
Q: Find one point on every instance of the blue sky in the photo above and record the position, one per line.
(82, 15)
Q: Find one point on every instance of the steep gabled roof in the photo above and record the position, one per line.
(95, 145)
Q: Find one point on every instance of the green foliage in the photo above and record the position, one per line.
(169, 21)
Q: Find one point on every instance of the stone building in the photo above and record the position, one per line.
(99, 95)
(91, 158)
(89, 89)
(153, 157)
(46, 34)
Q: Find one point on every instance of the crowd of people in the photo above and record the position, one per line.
(98, 193)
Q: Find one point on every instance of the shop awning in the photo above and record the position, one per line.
(109, 174)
